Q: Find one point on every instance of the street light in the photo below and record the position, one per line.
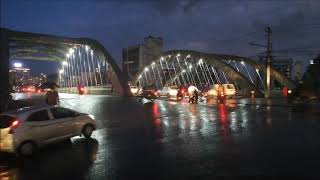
(200, 61)
(71, 50)
(242, 62)
(17, 65)
(146, 69)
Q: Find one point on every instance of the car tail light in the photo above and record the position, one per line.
(81, 89)
(13, 126)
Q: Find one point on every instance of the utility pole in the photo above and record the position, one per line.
(268, 64)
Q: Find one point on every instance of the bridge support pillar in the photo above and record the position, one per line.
(4, 70)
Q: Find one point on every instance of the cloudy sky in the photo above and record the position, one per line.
(216, 26)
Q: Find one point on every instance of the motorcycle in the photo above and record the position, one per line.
(180, 95)
(221, 99)
(193, 98)
(81, 90)
(150, 96)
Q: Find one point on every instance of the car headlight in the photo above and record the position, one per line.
(91, 116)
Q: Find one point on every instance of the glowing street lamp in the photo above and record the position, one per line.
(17, 65)
(242, 62)
(87, 47)
(146, 69)
(71, 50)
(200, 61)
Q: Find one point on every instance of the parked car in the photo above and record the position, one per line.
(25, 130)
(169, 91)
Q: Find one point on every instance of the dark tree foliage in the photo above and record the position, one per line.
(310, 85)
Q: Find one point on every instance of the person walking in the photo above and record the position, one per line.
(52, 97)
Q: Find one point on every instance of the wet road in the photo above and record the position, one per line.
(177, 140)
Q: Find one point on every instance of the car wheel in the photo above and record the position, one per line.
(87, 131)
(27, 148)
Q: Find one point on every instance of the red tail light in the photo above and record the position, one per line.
(15, 124)
(182, 91)
(81, 89)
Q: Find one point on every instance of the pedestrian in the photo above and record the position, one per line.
(52, 97)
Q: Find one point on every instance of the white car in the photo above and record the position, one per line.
(26, 129)
(170, 91)
(134, 90)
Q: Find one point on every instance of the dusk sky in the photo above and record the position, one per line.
(209, 26)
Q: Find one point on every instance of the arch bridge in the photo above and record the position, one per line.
(186, 67)
(82, 60)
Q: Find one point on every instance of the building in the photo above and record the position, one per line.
(19, 76)
(296, 74)
(135, 58)
(283, 65)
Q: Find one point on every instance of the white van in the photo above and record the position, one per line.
(229, 90)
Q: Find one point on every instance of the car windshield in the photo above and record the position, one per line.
(230, 86)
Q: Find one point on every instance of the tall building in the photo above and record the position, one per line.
(283, 65)
(296, 74)
(135, 58)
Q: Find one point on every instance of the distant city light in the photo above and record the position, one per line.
(242, 62)
(146, 69)
(17, 65)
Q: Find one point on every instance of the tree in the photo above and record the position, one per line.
(310, 85)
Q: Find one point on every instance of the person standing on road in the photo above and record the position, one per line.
(52, 97)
